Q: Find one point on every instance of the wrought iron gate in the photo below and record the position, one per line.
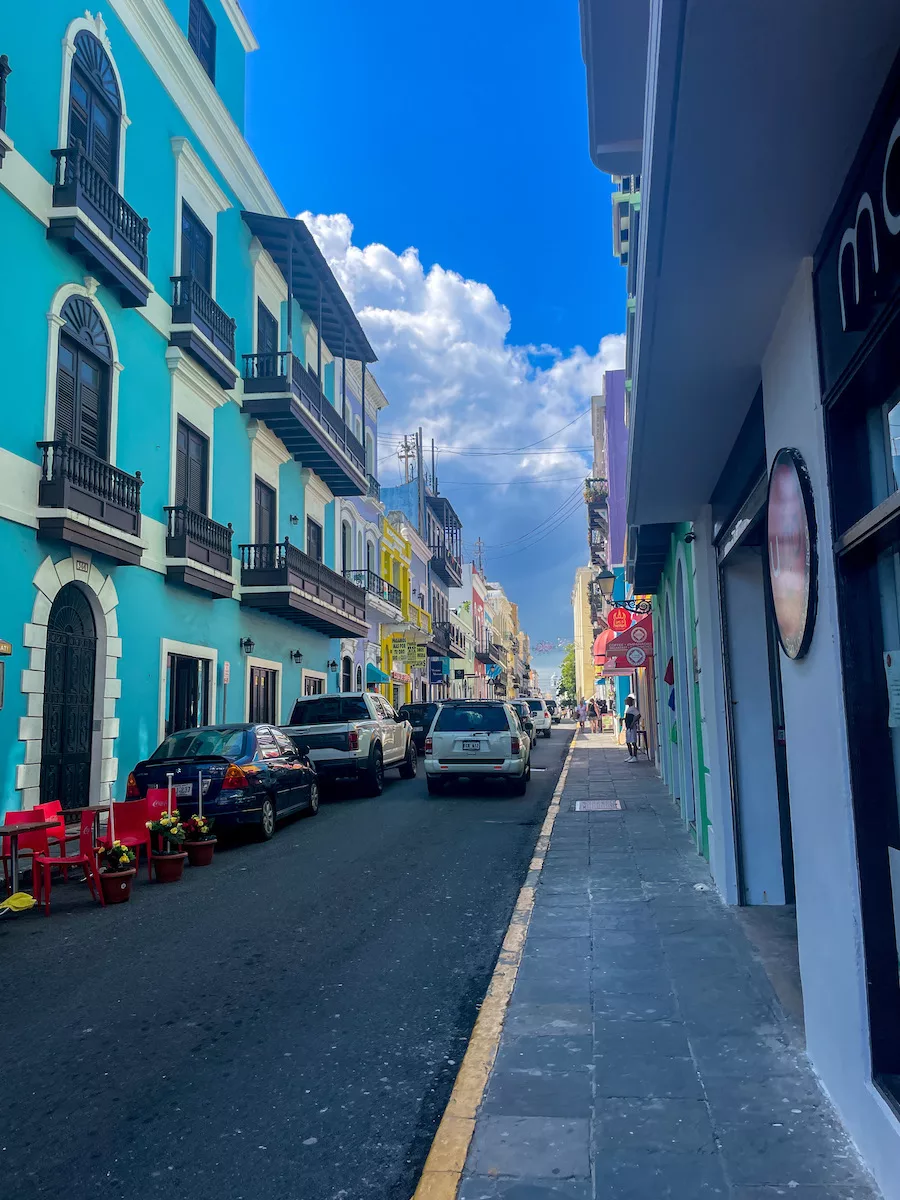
(68, 700)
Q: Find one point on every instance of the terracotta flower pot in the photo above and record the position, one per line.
(116, 885)
(168, 867)
(200, 854)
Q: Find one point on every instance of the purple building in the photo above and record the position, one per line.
(616, 446)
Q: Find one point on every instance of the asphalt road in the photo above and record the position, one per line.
(286, 1023)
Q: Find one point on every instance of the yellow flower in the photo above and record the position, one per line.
(149, 824)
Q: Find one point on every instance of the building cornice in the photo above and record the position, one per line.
(236, 16)
(189, 161)
(265, 440)
(164, 45)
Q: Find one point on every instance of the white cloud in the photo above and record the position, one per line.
(444, 361)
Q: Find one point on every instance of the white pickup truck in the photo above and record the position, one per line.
(353, 736)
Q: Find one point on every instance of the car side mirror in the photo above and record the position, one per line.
(302, 749)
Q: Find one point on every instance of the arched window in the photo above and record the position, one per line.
(346, 673)
(83, 378)
(370, 454)
(370, 557)
(346, 546)
(359, 548)
(359, 683)
(95, 106)
(357, 428)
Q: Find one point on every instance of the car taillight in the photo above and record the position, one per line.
(429, 745)
(514, 745)
(353, 740)
(234, 778)
(132, 791)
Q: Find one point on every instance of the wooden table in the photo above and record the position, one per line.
(13, 832)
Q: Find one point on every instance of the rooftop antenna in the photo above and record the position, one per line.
(433, 474)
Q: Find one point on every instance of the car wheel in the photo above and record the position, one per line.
(547, 732)
(374, 776)
(528, 770)
(267, 819)
(313, 799)
(410, 764)
(517, 786)
(435, 786)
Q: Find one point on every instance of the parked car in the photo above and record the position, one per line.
(540, 714)
(252, 775)
(476, 738)
(420, 717)
(354, 736)
(555, 712)
(524, 713)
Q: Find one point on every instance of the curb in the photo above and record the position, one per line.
(444, 1166)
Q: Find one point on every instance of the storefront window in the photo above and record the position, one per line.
(884, 443)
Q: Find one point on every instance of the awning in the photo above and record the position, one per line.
(400, 677)
(631, 649)
(301, 261)
(601, 642)
(375, 674)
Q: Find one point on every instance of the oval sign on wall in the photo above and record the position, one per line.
(792, 550)
(618, 619)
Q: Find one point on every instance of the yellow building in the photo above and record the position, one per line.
(584, 633)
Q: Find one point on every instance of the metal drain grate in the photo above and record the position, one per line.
(597, 805)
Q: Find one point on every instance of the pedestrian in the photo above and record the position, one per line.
(594, 714)
(581, 713)
(632, 725)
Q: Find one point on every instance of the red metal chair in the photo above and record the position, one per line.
(86, 857)
(34, 842)
(129, 820)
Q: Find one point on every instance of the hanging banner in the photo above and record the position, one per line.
(416, 655)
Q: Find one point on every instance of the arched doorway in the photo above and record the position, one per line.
(69, 670)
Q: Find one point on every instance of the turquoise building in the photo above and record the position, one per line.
(186, 406)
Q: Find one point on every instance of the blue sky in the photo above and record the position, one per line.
(460, 131)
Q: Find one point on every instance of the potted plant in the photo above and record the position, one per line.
(167, 854)
(117, 872)
(200, 842)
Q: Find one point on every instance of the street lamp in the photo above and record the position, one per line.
(606, 581)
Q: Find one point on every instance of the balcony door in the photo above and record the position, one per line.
(95, 106)
(191, 468)
(266, 338)
(196, 248)
(313, 539)
(264, 513)
(83, 366)
(187, 687)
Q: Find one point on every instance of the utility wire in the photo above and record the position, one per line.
(507, 482)
(572, 498)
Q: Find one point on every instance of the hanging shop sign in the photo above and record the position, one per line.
(793, 552)
(618, 619)
(437, 669)
(415, 655)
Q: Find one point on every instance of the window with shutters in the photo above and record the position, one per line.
(263, 683)
(202, 36)
(346, 674)
(313, 539)
(196, 248)
(264, 512)
(266, 331)
(83, 367)
(191, 468)
(95, 106)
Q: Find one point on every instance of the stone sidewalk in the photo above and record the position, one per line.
(644, 1054)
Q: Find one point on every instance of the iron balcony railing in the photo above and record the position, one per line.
(287, 559)
(453, 635)
(183, 522)
(193, 305)
(5, 71)
(64, 464)
(78, 178)
(442, 555)
(376, 586)
(373, 490)
(284, 365)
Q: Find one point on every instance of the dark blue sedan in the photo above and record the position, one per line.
(252, 775)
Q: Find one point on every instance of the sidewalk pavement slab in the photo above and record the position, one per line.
(644, 1053)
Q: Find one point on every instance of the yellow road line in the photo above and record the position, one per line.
(447, 1157)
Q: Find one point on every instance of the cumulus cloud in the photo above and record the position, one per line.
(446, 364)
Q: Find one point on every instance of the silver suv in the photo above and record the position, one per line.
(477, 738)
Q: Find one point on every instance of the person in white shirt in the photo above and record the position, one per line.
(632, 725)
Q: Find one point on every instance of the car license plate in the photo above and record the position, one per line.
(418, 728)
(471, 745)
(184, 789)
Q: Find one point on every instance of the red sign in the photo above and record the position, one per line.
(639, 635)
(618, 619)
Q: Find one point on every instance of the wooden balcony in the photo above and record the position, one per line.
(198, 552)
(374, 585)
(279, 578)
(455, 638)
(89, 203)
(439, 643)
(203, 330)
(96, 505)
(279, 390)
(447, 564)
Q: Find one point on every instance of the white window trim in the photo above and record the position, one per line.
(269, 286)
(267, 454)
(304, 673)
(166, 647)
(195, 396)
(195, 185)
(96, 26)
(55, 323)
(269, 665)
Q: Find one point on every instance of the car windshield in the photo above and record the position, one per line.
(332, 710)
(536, 705)
(417, 714)
(202, 743)
(469, 719)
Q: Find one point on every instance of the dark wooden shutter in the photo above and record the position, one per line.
(191, 468)
(202, 37)
(313, 539)
(265, 512)
(266, 331)
(196, 248)
(91, 405)
(65, 391)
(102, 139)
(181, 459)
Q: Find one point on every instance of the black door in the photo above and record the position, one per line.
(68, 700)
(191, 468)
(82, 410)
(266, 340)
(262, 695)
(313, 539)
(188, 692)
(265, 513)
(196, 248)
